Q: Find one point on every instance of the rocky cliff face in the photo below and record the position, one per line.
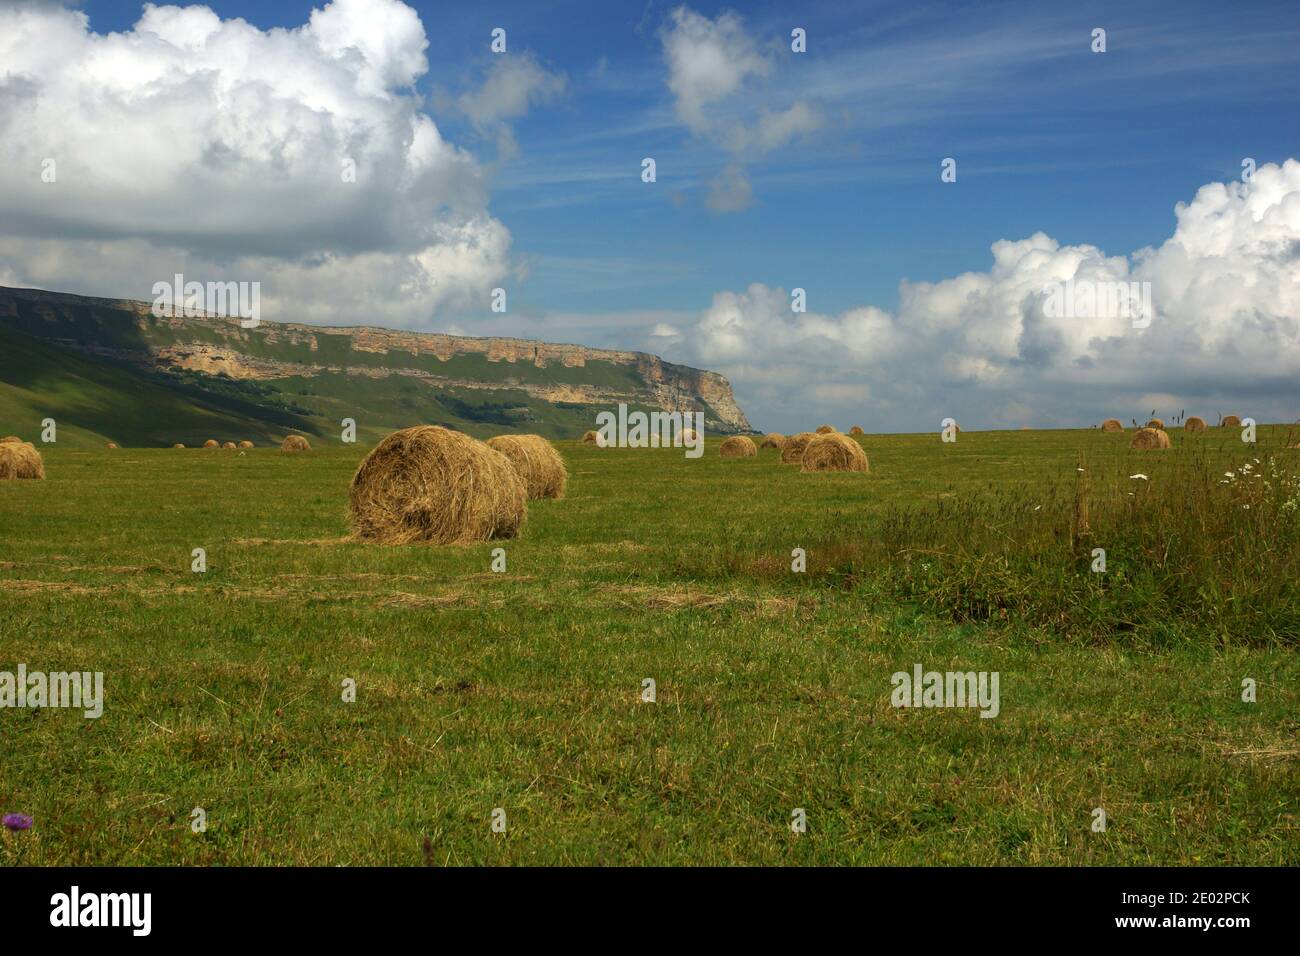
(127, 330)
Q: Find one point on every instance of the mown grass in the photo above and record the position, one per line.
(521, 690)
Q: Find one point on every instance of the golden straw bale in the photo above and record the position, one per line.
(1150, 439)
(431, 484)
(537, 462)
(834, 452)
(20, 460)
(738, 446)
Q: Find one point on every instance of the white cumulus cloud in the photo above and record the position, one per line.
(987, 348)
(210, 147)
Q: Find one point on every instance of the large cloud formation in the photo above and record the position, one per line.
(987, 348)
(206, 146)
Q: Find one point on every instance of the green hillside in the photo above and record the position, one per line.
(95, 399)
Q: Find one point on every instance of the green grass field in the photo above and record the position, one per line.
(521, 690)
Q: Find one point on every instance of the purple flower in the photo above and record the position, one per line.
(17, 821)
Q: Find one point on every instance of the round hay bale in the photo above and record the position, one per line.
(20, 460)
(1112, 425)
(834, 452)
(856, 430)
(178, 445)
(11, 440)
(245, 444)
(590, 438)
(825, 429)
(793, 449)
(111, 445)
(738, 446)
(211, 443)
(537, 463)
(295, 443)
(1230, 421)
(773, 440)
(431, 484)
(1150, 439)
(1194, 424)
(1156, 423)
(230, 445)
(689, 435)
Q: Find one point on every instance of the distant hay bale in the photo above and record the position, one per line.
(591, 438)
(856, 430)
(111, 445)
(245, 444)
(689, 435)
(20, 460)
(178, 445)
(773, 440)
(431, 484)
(1150, 439)
(1112, 425)
(211, 443)
(1156, 423)
(536, 461)
(825, 429)
(793, 449)
(230, 445)
(1194, 423)
(1230, 421)
(11, 440)
(738, 446)
(834, 452)
(295, 443)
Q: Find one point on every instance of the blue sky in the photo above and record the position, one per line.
(1049, 137)
(1036, 120)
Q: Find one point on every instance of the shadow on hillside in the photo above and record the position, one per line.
(66, 353)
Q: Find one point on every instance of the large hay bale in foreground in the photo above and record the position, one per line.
(773, 440)
(793, 449)
(1156, 423)
(20, 460)
(537, 463)
(834, 452)
(295, 443)
(211, 443)
(245, 444)
(1230, 421)
(825, 429)
(1150, 439)
(856, 430)
(1112, 425)
(738, 446)
(1194, 424)
(431, 484)
(11, 440)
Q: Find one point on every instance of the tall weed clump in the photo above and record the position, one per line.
(1196, 544)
